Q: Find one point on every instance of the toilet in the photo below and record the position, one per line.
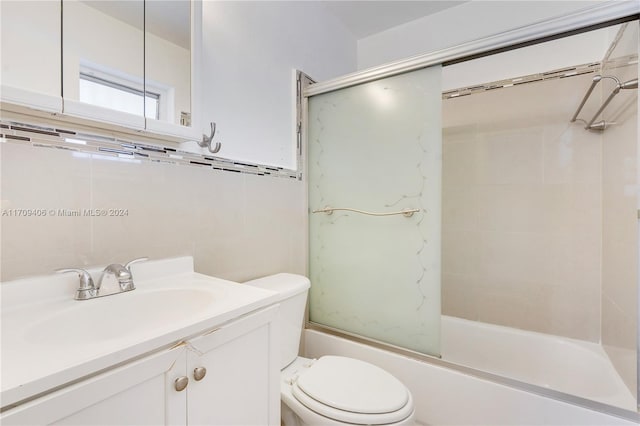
(331, 390)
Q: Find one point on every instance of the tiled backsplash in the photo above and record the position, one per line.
(96, 144)
(110, 200)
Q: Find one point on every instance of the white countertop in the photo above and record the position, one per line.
(44, 346)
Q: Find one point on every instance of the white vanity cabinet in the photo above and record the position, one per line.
(130, 394)
(241, 384)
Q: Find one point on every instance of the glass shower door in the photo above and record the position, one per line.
(377, 148)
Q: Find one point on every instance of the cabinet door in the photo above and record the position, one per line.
(103, 60)
(241, 385)
(30, 53)
(139, 393)
(170, 66)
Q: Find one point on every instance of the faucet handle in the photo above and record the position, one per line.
(128, 284)
(131, 262)
(86, 281)
(87, 289)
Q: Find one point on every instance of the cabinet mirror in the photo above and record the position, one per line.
(103, 60)
(168, 61)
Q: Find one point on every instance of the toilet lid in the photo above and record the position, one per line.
(351, 390)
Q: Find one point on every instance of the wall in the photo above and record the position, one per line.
(237, 226)
(521, 224)
(248, 73)
(469, 21)
(620, 220)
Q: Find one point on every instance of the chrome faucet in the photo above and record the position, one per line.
(122, 273)
(88, 290)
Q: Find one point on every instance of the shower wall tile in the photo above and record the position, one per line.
(509, 208)
(522, 218)
(235, 226)
(460, 252)
(460, 207)
(618, 329)
(460, 295)
(571, 155)
(462, 148)
(512, 156)
(620, 222)
(515, 256)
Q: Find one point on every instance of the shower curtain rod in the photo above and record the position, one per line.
(602, 125)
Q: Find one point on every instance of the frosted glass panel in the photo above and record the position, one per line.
(377, 147)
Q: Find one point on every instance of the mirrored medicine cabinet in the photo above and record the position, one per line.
(123, 62)
(31, 53)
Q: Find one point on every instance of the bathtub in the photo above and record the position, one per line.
(446, 396)
(567, 365)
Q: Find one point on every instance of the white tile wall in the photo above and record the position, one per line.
(237, 226)
(522, 210)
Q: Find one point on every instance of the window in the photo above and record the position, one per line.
(104, 92)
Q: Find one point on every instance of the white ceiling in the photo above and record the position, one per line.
(170, 19)
(365, 17)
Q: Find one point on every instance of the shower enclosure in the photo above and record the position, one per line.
(375, 177)
(484, 215)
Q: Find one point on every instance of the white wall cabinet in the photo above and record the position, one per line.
(30, 54)
(240, 387)
(131, 64)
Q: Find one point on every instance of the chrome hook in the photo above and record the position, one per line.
(207, 141)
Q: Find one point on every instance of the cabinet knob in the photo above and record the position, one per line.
(181, 383)
(199, 373)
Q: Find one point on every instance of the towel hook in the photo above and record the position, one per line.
(207, 141)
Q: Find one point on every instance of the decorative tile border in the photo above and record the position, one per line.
(128, 149)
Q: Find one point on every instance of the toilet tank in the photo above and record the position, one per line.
(293, 291)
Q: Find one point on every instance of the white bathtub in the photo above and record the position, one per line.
(444, 396)
(566, 365)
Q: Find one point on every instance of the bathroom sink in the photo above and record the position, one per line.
(49, 339)
(115, 317)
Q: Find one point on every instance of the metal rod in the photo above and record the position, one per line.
(405, 212)
(631, 84)
(594, 82)
(612, 95)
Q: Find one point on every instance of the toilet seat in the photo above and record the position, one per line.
(352, 391)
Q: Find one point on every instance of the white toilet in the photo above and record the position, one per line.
(332, 390)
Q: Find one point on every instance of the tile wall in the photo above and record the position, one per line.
(236, 225)
(620, 217)
(522, 216)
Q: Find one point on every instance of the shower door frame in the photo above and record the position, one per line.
(606, 14)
